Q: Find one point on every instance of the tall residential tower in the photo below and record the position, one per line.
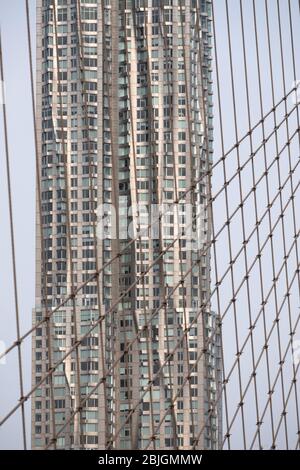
(124, 122)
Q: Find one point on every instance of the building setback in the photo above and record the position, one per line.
(124, 122)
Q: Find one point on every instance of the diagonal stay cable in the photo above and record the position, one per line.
(111, 260)
(238, 356)
(156, 375)
(39, 207)
(78, 426)
(261, 283)
(211, 211)
(220, 114)
(236, 332)
(85, 124)
(183, 196)
(226, 380)
(101, 319)
(140, 266)
(260, 87)
(203, 90)
(204, 250)
(281, 364)
(293, 382)
(272, 81)
(13, 249)
(76, 345)
(283, 74)
(292, 35)
(192, 323)
(275, 323)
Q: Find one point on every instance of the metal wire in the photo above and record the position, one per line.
(39, 208)
(203, 251)
(13, 250)
(183, 195)
(283, 155)
(199, 313)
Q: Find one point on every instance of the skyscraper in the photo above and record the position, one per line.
(124, 122)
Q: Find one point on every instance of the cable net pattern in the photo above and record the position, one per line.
(243, 370)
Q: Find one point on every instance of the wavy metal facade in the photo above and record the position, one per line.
(124, 121)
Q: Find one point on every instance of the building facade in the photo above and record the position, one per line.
(124, 123)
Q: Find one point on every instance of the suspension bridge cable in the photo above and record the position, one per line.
(183, 196)
(204, 250)
(271, 391)
(283, 73)
(12, 241)
(211, 243)
(197, 316)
